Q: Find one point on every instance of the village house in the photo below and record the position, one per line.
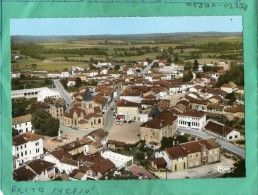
(159, 163)
(92, 148)
(192, 119)
(62, 160)
(190, 154)
(85, 115)
(26, 147)
(161, 125)
(127, 110)
(227, 88)
(113, 144)
(131, 95)
(93, 167)
(53, 106)
(99, 135)
(234, 112)
(23, 124)
(36, 170)
(221, 131)
(65, 73)
(71, 81)
(76, 146)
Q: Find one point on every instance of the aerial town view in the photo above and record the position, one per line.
(127, 98)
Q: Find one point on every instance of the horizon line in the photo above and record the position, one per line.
(129, 34)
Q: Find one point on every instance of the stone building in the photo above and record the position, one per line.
(85, 115)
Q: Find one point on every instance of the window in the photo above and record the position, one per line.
(17, 148)
(196, 155)
(21, 147)
(236, 136)
(17, 155)
(25, 152)
(25, 146)
(22, 154)
(230, 137)
(191, 156)
(37, 143)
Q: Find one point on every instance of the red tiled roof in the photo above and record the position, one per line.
(176, 152)
(234, 109)
(217, 128)
(24, 138)
(125, 103)
(193, 113)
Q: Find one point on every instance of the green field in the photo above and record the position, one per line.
(80, 51)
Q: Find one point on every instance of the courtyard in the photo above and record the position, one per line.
(125, 132)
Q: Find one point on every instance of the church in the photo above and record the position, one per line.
(85, 115)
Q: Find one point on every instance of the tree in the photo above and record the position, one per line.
(188, 77)
(20, 106)
(239, 170)
(14, 132)
(117, 67)
(198, 75)
(44, 123)
(78, 82)
(196, 65)
(64, 83)
(231, 97)
(188, 66)
(168, 142)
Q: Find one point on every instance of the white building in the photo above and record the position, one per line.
(27, 147)
(16, 75)
(119, 160)
(48, 93)
(71, 81)
(101, 64)
(63, 161)
(54, 75)
(92, 74)
(130, 71)
(23, 124)
(221, 131)
(27, 93)
(65, 74)
(192, 119)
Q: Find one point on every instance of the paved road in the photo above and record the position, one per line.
(108, 117)
(226, 145)
(148, 67)
(64, 94)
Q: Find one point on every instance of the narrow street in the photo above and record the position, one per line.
(63, 93)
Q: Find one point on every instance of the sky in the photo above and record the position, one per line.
(125, 25)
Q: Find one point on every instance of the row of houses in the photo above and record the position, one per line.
(31, 162)
(188, 155)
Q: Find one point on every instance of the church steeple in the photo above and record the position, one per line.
(87, 101)
(87, 97)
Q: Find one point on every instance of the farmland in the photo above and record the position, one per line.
(57, 53)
